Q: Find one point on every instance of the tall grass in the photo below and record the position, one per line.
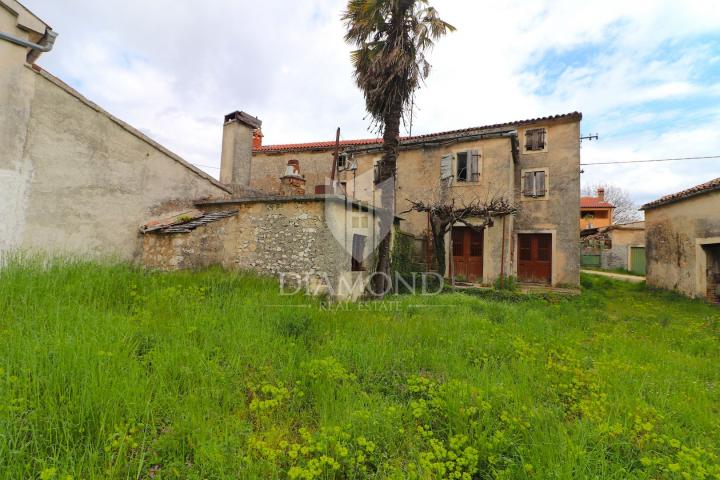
(107, 371)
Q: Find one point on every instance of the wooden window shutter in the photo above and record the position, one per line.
(529, 181)
(540, 184)
(541, 139)
(528, 140)
(474, 165)
(446, 167)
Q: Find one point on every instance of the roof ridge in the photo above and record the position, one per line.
(708, 186)
(327, 144)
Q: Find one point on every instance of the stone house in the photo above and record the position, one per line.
(595, 212)
(618, 246)
(683, 241)
(533, 163)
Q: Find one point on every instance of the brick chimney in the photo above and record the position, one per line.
(257, 138)
(601, 194)
(237, 144)
(292, 183)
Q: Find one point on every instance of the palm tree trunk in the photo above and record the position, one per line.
(385, 182)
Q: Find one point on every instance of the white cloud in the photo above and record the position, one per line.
(174, 70)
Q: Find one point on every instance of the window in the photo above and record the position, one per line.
(534, 183)
(534, 139)
(462, 167)
(360, 221)
(467, 166)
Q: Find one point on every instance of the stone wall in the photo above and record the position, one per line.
(273, 237)
(618, 256)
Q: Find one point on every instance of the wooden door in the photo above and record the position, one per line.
(535, 257)
(467, 250)
(637, 260)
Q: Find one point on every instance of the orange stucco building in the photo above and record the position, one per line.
(595, 212)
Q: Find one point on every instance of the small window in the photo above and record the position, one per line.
(360, 221)
(467, 166)
(534, 139)
(358, 253)
(462, 167)
(534, 184)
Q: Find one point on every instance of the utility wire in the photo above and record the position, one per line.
(653, 160)
(583, 164)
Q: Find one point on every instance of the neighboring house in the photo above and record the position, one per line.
(683, 241)
(619, 246)
(595, 212)
(73, 178)
(533, 163)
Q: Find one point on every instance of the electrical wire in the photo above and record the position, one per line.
(653, 160)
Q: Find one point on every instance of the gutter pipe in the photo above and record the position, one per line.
(36, 49)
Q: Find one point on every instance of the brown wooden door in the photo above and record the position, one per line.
(535, 257)
(467, 255)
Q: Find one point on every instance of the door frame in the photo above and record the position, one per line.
(701, 265)
(553, 249)
(628, 265)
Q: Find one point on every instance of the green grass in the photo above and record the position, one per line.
(110, 372)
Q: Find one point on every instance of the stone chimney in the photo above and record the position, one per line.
(237, 144)
(292, 183)
(601, 194)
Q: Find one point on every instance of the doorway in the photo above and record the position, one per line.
(358, 253)
(713, 272)
(467, 254)
(535, 257)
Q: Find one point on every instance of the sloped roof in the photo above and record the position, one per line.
(706, 187)
(186, 226)
(330, 144)
(594, 202)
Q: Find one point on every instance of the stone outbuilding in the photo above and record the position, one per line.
(618, 246)
(683, 241)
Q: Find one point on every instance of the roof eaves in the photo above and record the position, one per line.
(707, 187)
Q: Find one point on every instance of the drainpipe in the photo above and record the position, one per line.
(36, 49)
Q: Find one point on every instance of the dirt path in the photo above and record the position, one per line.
(617, 276)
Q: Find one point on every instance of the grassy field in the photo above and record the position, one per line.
(109, 372)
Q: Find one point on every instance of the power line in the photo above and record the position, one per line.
(653, 160)
(583, 164)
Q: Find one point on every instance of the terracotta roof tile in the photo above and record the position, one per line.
(328, 145)
(594, 202)
(690, 192)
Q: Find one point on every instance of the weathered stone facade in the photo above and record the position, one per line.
(290, 237)
(500, 174)
(683, 237)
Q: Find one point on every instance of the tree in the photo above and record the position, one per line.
(626, 210)
(391, 38)
(446, 213)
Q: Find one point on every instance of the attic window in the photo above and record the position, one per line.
(535, 140)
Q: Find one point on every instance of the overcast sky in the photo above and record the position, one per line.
(645, 74)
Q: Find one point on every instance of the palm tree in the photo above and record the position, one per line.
(391, 39)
